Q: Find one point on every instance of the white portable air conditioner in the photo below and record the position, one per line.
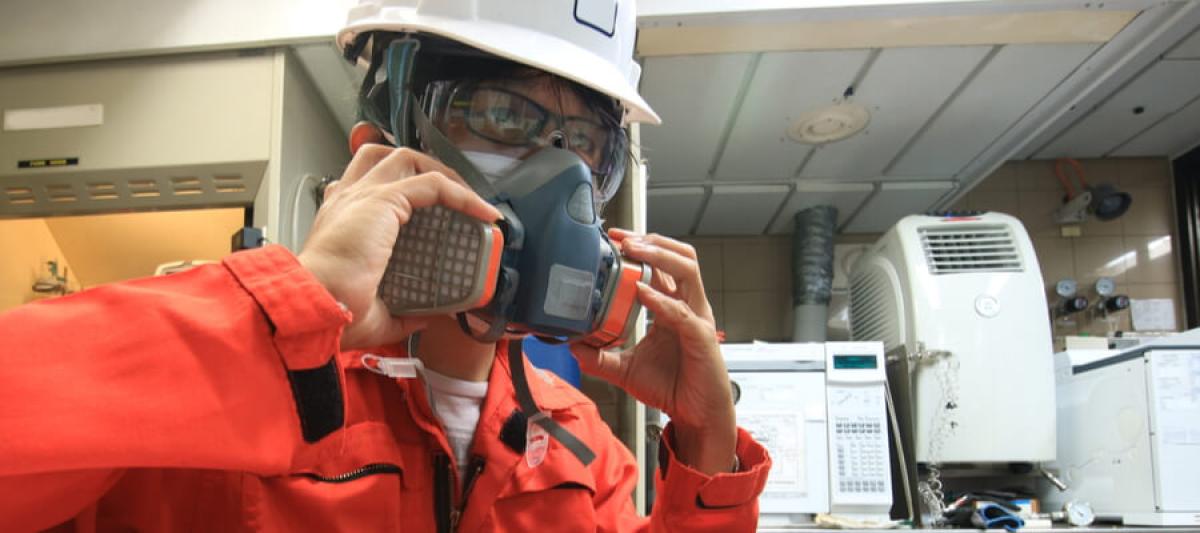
(963, 298)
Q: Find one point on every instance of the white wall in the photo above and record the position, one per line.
(42, 31)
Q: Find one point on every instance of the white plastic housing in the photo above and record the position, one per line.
(970, 286)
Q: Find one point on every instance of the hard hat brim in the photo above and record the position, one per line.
(540, 51)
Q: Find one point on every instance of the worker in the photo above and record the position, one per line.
(238, 396)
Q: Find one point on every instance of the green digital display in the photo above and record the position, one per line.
(853, 362)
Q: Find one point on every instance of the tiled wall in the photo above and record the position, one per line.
(1136, 250)
(748, 280)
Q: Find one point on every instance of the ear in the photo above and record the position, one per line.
(364, 133)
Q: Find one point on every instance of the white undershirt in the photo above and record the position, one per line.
(456, 403)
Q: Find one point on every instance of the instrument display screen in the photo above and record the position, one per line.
(853, 362)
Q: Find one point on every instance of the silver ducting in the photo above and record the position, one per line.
(812, 271)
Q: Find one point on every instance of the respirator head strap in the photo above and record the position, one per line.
(452, 156)
(533, 413)
(496, 328)
(399, 59)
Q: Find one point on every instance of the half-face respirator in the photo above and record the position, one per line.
(547, 268)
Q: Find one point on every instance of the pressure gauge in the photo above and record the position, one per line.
(1079, 513)
(1105, 287)
(1066, 288)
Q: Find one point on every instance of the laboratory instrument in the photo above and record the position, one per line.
(819, 409)
(1129, 431)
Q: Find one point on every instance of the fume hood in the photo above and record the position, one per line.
(222, 129)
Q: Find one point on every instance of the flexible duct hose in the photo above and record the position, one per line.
(812, 271)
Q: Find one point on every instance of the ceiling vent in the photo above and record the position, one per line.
(829, 124)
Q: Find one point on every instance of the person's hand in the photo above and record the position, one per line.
(356, 228)
(677, 367)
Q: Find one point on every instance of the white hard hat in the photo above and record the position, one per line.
(589, 42)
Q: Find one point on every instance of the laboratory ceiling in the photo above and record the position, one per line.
(949, 99)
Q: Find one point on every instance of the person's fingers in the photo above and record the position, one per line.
(668, 311)
(606, 365)
(402, 327)
(618, 234)
(330, 190)
(363, 161)
(664, 282)
(434, 188)
(683, 271)
(679, 247)
(378, 327)
(405, 162)
(676, 315)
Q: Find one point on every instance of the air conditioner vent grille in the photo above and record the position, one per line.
(874, 310)
(960, 249)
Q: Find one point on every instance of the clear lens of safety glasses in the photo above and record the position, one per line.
(485, 117)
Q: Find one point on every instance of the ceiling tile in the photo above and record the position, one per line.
(895, 201)
(741, 209)
(1189, 48)
(1171, 137)
(1016, 78)
(785, 85)
(902, 89)
(694, 95)
(1161, 90)
(846, 197)
(671, 210)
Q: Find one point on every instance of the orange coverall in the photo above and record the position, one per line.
(217, 400)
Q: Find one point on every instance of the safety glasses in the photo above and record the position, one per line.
(511, 119)
(498, 117)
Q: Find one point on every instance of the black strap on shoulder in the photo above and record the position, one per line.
(516, 364)
(318, 396)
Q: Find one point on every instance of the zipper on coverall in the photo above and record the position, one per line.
(449, 505)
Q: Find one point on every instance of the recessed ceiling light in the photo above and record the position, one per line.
(829, 124)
